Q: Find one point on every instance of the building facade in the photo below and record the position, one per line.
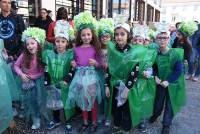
(134, 10)
(180, 10)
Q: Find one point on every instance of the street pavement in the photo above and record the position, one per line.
(185, 122)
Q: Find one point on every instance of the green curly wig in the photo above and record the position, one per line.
(85, 20)
(188, 28)
(36, 33)
(105, 26)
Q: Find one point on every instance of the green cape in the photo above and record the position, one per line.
(141, 95)
(58, 66)
(165, 68)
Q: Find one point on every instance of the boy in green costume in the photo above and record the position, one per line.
(58, 65)
(168, 71)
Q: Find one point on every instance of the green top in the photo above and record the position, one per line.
(58, 65)
(176, 89)
(120, 65)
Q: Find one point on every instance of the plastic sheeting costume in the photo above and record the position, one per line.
(6, 115)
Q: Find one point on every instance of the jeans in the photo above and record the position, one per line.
(191, 66)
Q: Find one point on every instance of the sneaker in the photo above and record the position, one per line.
(53, 124)
(107, 123)
(68, 129)
(188, 77)
(15, 113)
(36, 123)
(93, 128)
(142, 127)
(83, 128)
(165, 130)
(195, 79)
(116, 130)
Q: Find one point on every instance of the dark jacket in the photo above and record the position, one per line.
(195, 39)
(43, 24)
(11, 28)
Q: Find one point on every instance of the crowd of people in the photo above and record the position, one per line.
(121, 76)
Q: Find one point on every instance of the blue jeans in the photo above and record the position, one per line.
(191, 66)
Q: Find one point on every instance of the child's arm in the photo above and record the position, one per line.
(18, 65)
(18, 70)
(107, 77)
(36, 76)
(132, 76)
(68, 78)
(178, 69)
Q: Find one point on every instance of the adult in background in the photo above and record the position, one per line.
(11, 28)
(43, 21)
(195, 39)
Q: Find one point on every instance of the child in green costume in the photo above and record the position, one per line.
(168, 71)
(105, 32)
(127, 64)
(58, 65)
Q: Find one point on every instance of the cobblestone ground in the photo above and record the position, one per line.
(185, 122)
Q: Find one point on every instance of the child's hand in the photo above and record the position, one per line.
(73, 63)
(5, 54)
(107, 92)
(64, 83)
(25, 77)
(92, 62)
(158, 81)
(165, 84)
(145, 74)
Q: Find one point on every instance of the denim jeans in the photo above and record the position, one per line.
(195, 56)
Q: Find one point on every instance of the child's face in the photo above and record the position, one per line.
(32, 45)
(121, 37)
(147, 42)
(179, 35)
(138, 40)
(162, 40)
(105, 38)
(61, 44)
(86, 36)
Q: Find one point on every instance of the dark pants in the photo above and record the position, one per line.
(162, 100)
(121, 115)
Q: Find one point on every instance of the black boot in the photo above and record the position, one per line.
(165, 130)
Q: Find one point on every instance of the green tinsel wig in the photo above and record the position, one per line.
(33, 32)
(85, 20)
(105, 26)
(188, 28)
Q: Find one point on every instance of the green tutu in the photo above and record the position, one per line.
(84, 89)
(33, 101)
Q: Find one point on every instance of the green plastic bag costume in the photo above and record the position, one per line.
(14, 91)
(58, 65)
(141, 95)
(165, 67)
(6, 115)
